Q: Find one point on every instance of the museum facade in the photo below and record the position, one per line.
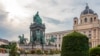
(88, 23)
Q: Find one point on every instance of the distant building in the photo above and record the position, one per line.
(3, 42)
(87, 24)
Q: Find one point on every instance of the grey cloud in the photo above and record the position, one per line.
(66, 24)
(3, 18)
(54, 2)
(6, 31)
(51, 20)
(51, 10)
(3, 13)
(68, 10)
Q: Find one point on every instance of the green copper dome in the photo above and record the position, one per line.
(37, 18)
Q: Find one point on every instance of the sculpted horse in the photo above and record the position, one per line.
(22, 40)
(51, 40)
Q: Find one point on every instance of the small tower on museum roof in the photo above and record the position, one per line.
(87, 7)
(88, 16)
(87, 10)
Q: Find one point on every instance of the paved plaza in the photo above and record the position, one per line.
(31, 55)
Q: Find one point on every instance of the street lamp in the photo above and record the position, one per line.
(18, 53)
(26, 52)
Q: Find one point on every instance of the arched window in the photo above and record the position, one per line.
(94, 18)
(81, 21)
(56, 45)
(59, 45)
(75, 22)
(85, 20)
(91, 19)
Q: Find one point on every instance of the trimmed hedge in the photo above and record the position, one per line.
(98, 46)
(75, 44)
(94, 51)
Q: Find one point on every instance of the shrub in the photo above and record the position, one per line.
(13, 49)
(57, 51)
(46, 52)
(51, 52)
(75, 44)
(39, 52)
(94, 51)
(32, 51)
(98, 46)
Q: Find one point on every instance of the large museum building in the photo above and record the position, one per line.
(88, 24)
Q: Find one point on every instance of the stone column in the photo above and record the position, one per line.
(92, 37)
(96, 33)
(30, 33)
(92, 34)
(97, 36)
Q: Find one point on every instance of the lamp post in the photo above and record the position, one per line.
(18, 53)
(26, 52)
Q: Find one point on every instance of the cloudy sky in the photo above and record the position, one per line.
(16, 15)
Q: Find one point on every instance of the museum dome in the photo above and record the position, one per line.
(87, 11)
